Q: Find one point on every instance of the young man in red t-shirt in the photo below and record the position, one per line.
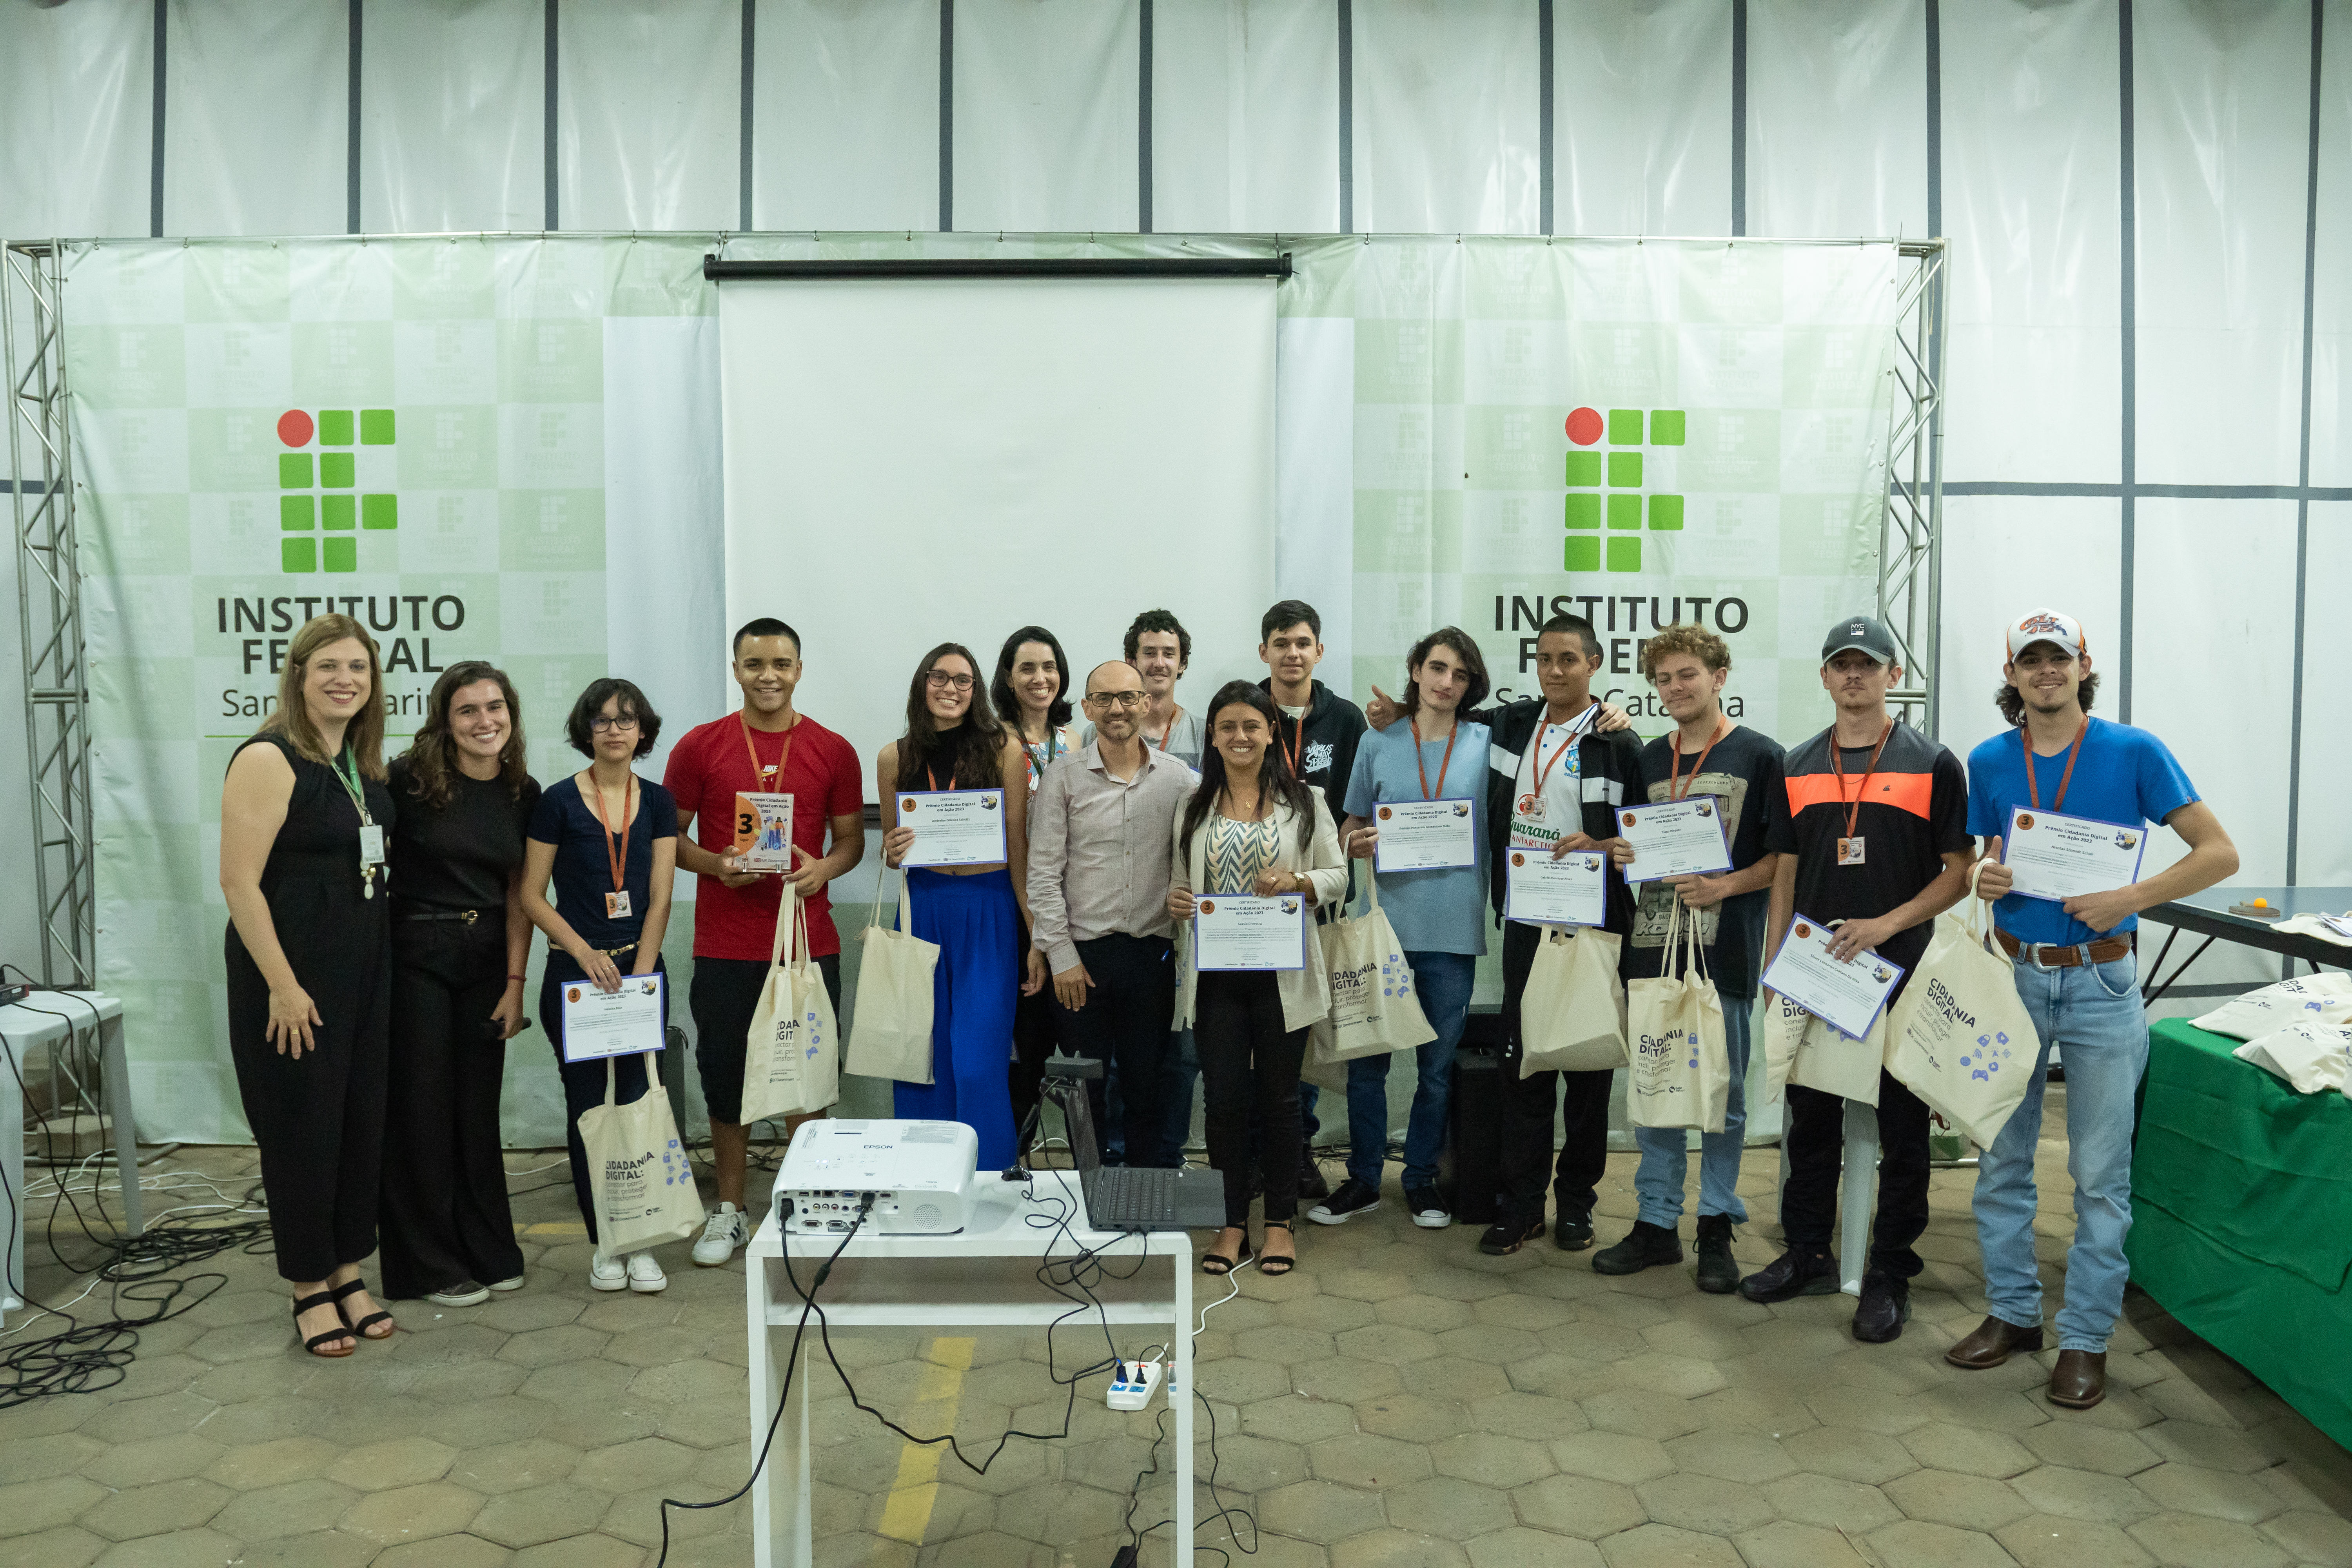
(765, 746)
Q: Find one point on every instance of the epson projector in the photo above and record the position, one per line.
(919, 1173)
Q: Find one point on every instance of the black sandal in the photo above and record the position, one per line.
(1218, 1264)
(361, 1327)
(1275, 1267)
(311, 1303)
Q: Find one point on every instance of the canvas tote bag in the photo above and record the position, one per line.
(1681, 1065)
(637, 1170)
(2313, 1058)
(1830, 1062)
(890, 1024)
(1572, 1014)
(2323, 998)
(1785, 1024)
(791, 1064)
(1373, 1008)
(1964, 1042)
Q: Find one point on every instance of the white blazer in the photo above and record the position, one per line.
(1305, 993)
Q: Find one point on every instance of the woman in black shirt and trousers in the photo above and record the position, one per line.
(459, 941)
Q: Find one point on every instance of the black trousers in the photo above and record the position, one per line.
(1816, 1145)
(1581, 1098)
(723, 996)
(1036, 1025)
(584, 1082)
(1249, 1065)
(443, 1216)
(1126, 1020)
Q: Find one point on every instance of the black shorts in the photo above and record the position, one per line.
(724, 994)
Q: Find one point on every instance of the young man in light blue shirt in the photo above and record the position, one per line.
(2078, 975)
(1439, 915)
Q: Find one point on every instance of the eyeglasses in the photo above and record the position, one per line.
(1114, 699)
(940, 678)
(603, 723)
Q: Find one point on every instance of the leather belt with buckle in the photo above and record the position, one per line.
(2107, 949)
(464, 917)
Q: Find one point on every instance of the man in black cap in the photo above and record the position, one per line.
(1871, 826)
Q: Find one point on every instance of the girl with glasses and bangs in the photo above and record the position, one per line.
(976, 914)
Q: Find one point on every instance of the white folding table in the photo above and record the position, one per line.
(46, 1017)
(982, 1278)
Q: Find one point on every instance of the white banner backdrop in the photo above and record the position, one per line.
(511, 449)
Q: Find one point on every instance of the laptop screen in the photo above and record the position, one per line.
(1078, 1122)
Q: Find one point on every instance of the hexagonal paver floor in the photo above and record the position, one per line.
(1400, 1401)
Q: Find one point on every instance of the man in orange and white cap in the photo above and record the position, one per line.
(2078, 976)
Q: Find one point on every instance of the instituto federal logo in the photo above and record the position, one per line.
(1606, 500)
(332, 486)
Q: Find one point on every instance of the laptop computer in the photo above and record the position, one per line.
(1129, 1198)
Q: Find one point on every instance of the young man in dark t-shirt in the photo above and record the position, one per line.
(766, 746)
(1871, 826)
(1704, 754)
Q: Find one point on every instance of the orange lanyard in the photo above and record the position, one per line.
(1576, 736)
(615, 850)
(761, 775)
(1296, 746)
(1854, 806)
(1443, 765)
(933, 779)
(1167, 734)
(2065, 778)
(1679, 787)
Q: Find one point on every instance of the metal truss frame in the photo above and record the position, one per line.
(1911, 528)
(49, 605)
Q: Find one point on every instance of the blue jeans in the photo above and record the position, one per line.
(1665, 1156)
(2096, 1015)
(1444, 980)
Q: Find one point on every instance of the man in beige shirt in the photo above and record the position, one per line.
(1099, 830)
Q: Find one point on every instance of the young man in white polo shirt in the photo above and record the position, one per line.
(2078, 976)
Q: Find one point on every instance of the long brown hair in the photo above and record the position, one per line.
(365, 735)
(432, 755)
(1274, 777)
(971, 752)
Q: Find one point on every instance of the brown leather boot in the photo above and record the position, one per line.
(1991, 1343)
(2079, 1380)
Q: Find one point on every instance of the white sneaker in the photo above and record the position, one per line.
(608, 1273)
(727, 1229)
(513, 1284)
(645, 1276)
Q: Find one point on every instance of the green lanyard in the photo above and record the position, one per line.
(347, 774)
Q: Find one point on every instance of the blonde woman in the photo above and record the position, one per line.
(305, 814)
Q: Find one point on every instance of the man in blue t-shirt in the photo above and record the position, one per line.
(2078, 977)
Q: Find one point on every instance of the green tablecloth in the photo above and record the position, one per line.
(2241, 1204)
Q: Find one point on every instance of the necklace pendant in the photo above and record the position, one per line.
(367, 890)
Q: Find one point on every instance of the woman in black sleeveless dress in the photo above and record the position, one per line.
(304, 818)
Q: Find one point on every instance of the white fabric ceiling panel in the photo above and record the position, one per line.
(2324, 849)
(2212, 574)
(255, 128)
(1244, 116)
(2331, 364)
(77, 86)
(453, 116)
(846, 114)
(2221, 125)
(648, 114)
(1045, 105)
(1837, 121)
(2004, 556)
(1447, 117)
(1641, 119)
(2033, 207)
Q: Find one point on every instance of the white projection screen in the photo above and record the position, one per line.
(913, 462)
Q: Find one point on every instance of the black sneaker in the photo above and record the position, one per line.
(1352, 1199)
(1886, 1303)
(1428, 1210)
(1505, 1236)
(1572, 1230)
(1719, 1271)
(1311, 1183)
(1790, 1274)
(1646, 1245)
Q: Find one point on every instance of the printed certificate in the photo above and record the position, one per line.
(763, 831)
(1424, 834)
(1572, 890)
(954, 826)
(1848, 997)
(2060, 857)
(1676, 838)
(1230, 932)
(613, 1023)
